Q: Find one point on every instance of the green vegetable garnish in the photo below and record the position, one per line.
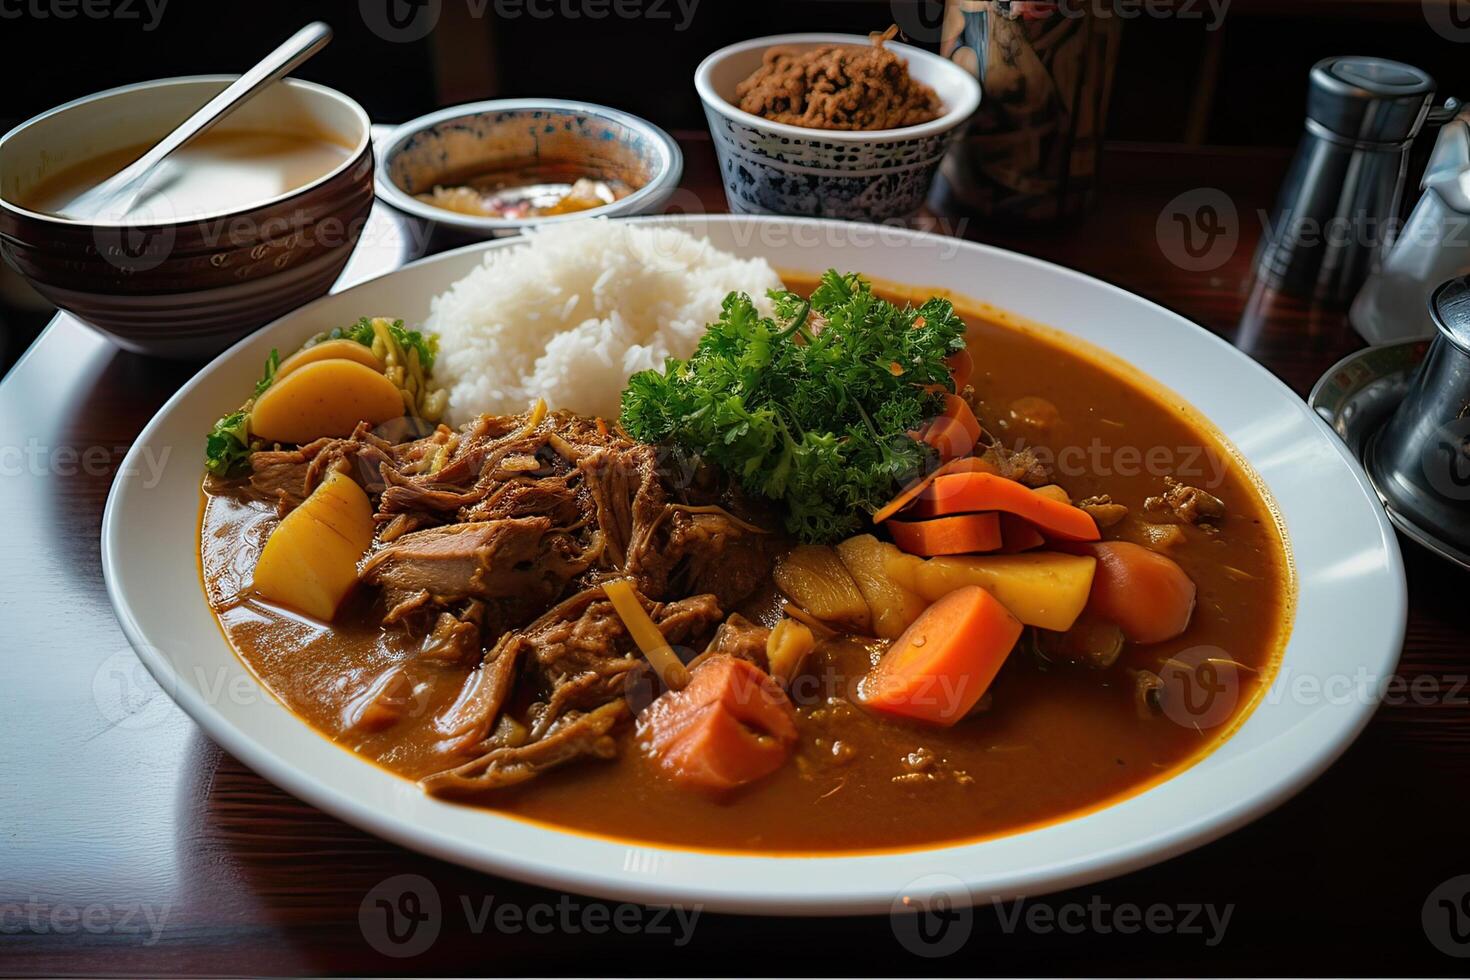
(227, 447)
(816, 418)
(362, 332)
(272, 364)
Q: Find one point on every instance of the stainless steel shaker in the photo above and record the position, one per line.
(1420, 460)
(1340, 199)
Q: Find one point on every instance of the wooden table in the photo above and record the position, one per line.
(130, 844)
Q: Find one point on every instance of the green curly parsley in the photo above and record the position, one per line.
(812, 408)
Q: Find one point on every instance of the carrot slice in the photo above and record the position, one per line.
(1018, 535)
(966, 464)
(956, 431)
(942, 664)
(960, 535)
(732, 724)
(961, 368)
(1145, 593)
(966, 492)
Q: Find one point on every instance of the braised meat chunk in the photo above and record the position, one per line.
(1191, 505)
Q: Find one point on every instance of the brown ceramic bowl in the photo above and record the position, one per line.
(185, 286)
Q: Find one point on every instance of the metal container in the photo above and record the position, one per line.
(1340, 199)
(1434, 245)
(1420, 461)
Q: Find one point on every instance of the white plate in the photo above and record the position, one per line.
(1348, 629)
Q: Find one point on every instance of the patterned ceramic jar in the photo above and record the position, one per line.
(874, 175)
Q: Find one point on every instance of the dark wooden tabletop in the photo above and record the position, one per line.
(130, 844)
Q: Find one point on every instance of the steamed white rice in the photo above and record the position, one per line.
(570, 314)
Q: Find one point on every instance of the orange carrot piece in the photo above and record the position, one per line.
(940, 666)
(1145, 593)
(955, 432)
(732, 724)
(965, 464)
(1018, 535)
(960, 535)
(972, 492)
(961, 368)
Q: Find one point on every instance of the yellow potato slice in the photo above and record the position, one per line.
(324, 398)
(1040, 588)
(892, 606)
(813, 577)
(310, 561)
(327, 350)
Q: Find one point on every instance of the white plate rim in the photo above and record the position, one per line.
(792, 885)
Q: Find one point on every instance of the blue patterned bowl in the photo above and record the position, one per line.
(448, 145)
(874, 175)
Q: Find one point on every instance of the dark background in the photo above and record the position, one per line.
(1178, 80)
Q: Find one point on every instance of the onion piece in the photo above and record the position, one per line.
(646, 634)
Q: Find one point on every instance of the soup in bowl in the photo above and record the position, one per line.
(248, 221)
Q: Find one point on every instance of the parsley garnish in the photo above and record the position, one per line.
(812, 408)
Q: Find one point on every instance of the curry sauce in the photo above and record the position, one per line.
(1054, 739)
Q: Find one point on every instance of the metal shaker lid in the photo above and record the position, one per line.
(1449, 304)
(1368, 99)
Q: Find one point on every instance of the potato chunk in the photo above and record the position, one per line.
(813, 577)
(310, 562)
(329, 350)
(324, 398)
(1040, 588)
(892, 606)
(787, 648)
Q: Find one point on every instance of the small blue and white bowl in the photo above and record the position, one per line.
(444, 146)
(861, 175)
